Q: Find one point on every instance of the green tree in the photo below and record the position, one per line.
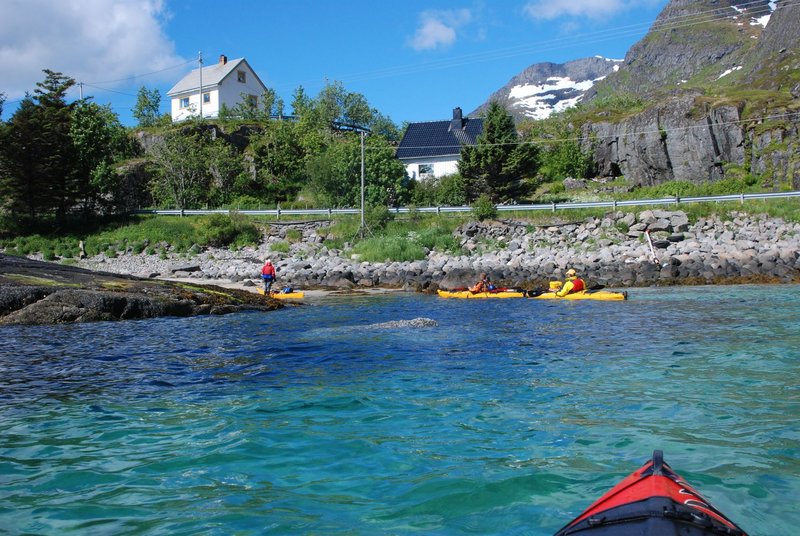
(335, 174)
(383, 126)
(38, 153)
(2, 103)
(498, 164)
(562, 156)
(279, 157)
(147, 105)
(225, 168)
(182, 177)
(386, 182)
(333, 106)
(301, 103)
(99, 140)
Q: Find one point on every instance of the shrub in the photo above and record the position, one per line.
(247, 202)
(376, 217)
(484, 209)
(389, 248)
(293, 235)
(279, 247)
(436, 238)
(222, 230)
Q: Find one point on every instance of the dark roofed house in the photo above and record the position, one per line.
(433, 148)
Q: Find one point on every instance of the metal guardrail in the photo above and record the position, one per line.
(553, 207)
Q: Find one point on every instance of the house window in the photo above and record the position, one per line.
(252, 101)
(425, 170)
(185, 102)
(206, 98)
(241, 76)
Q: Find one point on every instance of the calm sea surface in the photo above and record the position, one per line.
(510, 417)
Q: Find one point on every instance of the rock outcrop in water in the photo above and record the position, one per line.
(420, 322)
(35, 292)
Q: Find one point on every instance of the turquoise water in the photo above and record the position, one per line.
(510, 417)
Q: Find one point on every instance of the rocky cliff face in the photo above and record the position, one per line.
(722, 82)
(724, 92)
(544, 88)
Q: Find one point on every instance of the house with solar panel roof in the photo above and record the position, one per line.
(432, 149)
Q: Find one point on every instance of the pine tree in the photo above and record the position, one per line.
(38, 155)
(498, 164)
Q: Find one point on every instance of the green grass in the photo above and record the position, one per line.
(389, 248)
(405, 237)
(149, 234)
(280, 247)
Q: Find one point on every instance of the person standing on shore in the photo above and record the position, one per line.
(268, 275)
(572, 284)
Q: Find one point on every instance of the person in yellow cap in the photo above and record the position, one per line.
(572, 284)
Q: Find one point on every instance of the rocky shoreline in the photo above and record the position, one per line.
(36, 292)
(611, 251)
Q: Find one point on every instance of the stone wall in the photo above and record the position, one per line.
(611, 251)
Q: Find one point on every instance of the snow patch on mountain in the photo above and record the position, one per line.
(756, 21)
(546, 88)
(556, 94)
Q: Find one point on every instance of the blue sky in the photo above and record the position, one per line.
(412, 60)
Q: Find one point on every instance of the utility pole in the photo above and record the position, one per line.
(363, 225)
(80, 89)
(200, 62)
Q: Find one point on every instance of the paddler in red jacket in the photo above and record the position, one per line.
(572, 284)
(484, 285)
(268, 275)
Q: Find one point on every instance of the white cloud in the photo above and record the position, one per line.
(593, 9)
(88, 40)
(438, 28)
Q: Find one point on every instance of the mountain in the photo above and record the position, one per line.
(712, 91)
(695, 42)
(544, 88)
(720, 84)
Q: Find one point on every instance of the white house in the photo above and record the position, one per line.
(432, 149)
(225, 82)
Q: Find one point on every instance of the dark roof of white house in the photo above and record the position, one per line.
(439, 138)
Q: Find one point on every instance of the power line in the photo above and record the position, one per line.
(658, 132)
(666, 24)
(141, 75)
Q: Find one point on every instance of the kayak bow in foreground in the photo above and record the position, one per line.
(652, 501)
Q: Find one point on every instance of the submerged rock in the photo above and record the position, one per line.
(420, 322)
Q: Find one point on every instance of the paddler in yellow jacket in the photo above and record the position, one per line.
(572, 284)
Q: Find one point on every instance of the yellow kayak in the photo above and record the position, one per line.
(601, 295)
(294, 295)
(481, 295)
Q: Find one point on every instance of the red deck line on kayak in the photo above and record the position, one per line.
(642, 484)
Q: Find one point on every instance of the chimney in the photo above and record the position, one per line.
(458, 122)
(223, 59)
